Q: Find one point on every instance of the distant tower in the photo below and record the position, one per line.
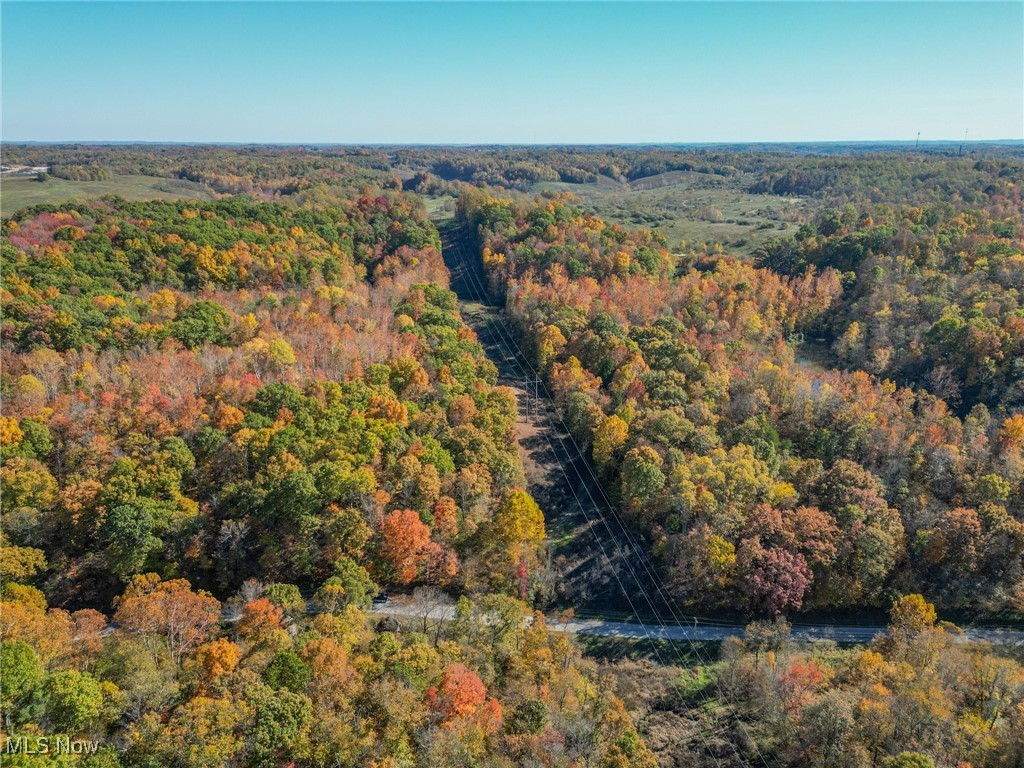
(918, 141)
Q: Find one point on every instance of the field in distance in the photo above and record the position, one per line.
(18, 192)
(691, 206)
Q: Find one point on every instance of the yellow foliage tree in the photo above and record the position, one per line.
(610, 435)
(550, 341)
(519, 521)
(10, 432)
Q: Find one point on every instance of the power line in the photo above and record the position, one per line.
(641, 553)
(518, 361)
(521, 362)
(514, 361)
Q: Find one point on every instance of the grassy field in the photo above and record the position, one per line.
(20, 191)
(440, 208)
(693, 207)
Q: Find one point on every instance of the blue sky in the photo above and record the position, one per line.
(512, 72)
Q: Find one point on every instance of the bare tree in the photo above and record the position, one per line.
(431, 603)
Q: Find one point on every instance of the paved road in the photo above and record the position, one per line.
(603, 628)
(606, 628)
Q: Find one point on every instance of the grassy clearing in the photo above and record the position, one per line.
(441, 208)
(674, 652)
(693, 207)
(20, 191)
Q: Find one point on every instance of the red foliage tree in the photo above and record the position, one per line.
(773, 580)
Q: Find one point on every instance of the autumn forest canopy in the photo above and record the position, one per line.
(235, 415)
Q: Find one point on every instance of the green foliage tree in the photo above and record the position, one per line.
(74, 700)
(286, 670)
(202, 322)
(127, 533)
(23, 676)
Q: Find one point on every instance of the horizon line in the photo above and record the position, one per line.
(653, 143)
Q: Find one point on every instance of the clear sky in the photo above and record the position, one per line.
(495, 72)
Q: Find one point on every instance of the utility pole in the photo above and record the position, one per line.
(531, 384)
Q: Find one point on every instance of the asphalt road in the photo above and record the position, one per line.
(636, 630)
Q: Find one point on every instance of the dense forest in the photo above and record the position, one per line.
(769, 484)
(229, 425)
(933, 294)
(744, 463)
(278, 405)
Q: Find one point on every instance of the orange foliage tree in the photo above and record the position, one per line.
(170, 609)
(404, 545)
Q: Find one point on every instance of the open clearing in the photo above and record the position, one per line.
(692, 207)
(17, 192)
